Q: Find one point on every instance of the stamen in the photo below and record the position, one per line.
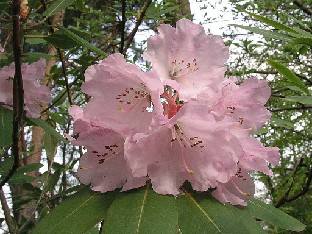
(180, 70)
(240, 191)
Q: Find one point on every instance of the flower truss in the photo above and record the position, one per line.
(181, 121)
(34, 93)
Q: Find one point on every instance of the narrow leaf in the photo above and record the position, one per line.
(272, 23)
(77, 214)
(200, 213)
(82, 41)
(50, 145)
(274, 216)
(6, 127)
(142, 211)
(57, 6)
(301, 99)
(266, 33)
(303, 40)
(304, 33)
(289, 75)
(49, 129)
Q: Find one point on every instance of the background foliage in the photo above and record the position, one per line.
(275, 44)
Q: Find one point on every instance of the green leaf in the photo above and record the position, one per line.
(82, 41)
(52, 181)
(58, 118)
(76, 214)
(29, 168)
(304, 33)
(289, 75)
(200, 213)
(57, 6)
(142, 211)
(303, 40)
(19, 178)
(49, 129)
(34, 57)
(274, 216)
(301, 99)
(50, 145)
(282, 123)
(60, 40)
(272, 23)
(5, 165)
(6, 127)
(266, 33)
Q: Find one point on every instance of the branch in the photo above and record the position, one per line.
(303, 8)
(70, 100)
(18, 91)
(283, 199)
(122, 29)
(304, 190)
(137, 25)
(7, 214)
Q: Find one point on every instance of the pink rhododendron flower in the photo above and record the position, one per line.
(187, 148)
(103, 165)
(121, 95)
(180, 122)
(34, 92)
(187, 56)
(239, 189)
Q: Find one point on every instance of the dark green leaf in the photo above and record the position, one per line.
(303, 40)
(50, 145)
(274, 216)
(5, 165)
(82, 41)
(142, 211)
(77, 214)
(289, 75)
(49, 129)
(301, 99)
(52, 181)
(60, 40)
(34, 57)
(6, 127)
(57, 6)
(20, 178)
(200, 213)
(29, 168)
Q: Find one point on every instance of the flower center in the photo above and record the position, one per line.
(171, 102)
(132, 97)
(181, 69)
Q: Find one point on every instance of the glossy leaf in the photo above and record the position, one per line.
(274, 216)
(142, 211)
(200, 213)
(289, 75)
(6, 127)
(76, 214)
(57, 6)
